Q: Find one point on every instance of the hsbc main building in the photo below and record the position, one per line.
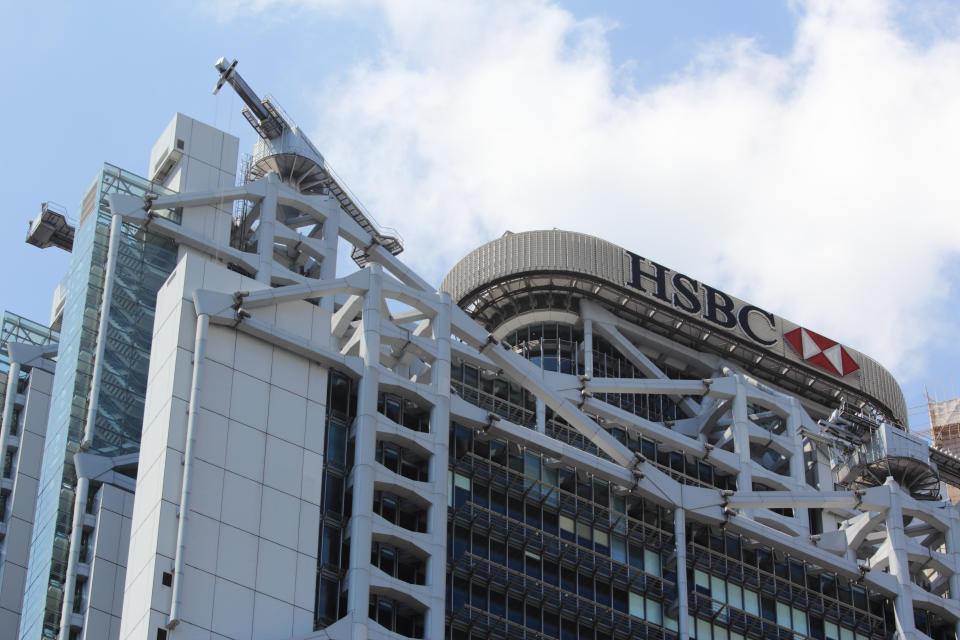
(224, 434)
(756, 446)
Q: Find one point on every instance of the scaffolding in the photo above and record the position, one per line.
(945, 424)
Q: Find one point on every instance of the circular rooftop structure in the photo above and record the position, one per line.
(523, 272)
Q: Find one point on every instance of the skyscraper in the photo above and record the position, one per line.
(26, 349)
(566, 440)
(115, 271)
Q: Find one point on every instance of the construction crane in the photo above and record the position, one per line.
(286, 151)
(261, 114)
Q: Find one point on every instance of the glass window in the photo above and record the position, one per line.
(701, 582)
(584, 534)
(718, 589)
(654, 611)
(651, 562)
(336, 444)
(531, 467)
(800, 621)
(618, 549)
(332, 493)
(784, 615)
(330, 554)
(735, 595)
(391, 409)
(830, 630)
(768, 609)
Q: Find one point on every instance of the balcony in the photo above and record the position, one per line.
(891, 453)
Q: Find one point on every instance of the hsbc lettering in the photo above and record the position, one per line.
(684, 293)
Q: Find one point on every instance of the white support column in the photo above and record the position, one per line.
(588, 347)
(9, 402)
(183, 511)
(741, 437)
(73, 557)
(265, 231)
(113, 248)
(440, 432)
(953, 548)
(683, 609)
(364, 459)
(541, 416)
(328, 268)
(899, 564)
(798, 469)
(89, 430)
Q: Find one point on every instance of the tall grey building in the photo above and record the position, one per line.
(26, 349)
(566, 440)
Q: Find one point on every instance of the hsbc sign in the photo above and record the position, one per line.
(726, 312)
(696, 298)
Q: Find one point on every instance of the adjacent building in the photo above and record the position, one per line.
(26, 349)
(566, 440)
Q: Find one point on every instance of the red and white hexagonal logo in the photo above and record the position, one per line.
(825, 353)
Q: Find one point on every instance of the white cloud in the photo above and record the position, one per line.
(819, 184)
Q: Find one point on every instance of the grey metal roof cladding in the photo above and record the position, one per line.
(487, 278)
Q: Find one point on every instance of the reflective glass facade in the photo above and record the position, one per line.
(537, 549)
(144, 262)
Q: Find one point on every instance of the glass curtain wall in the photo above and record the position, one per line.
(144, 262)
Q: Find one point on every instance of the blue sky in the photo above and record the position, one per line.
(800, 155)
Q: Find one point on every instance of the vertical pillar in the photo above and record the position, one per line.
(109, 277)
(362, 475)
(683, 608)
(265, 231)
(73, 557)
(899, 563)
(741, 437)
(9, 402)
(89, 430)
(183, 511)
(953, 548)
(328, 268)
(541, 416)
(798, 469)
(588, 347)
(440, 434)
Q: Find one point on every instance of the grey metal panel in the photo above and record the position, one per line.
(532, 251)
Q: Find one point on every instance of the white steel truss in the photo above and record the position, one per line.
(750, 430)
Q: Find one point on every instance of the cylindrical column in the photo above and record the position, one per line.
(199, 353)
(741, 437)
(9, 402)
(588, 347)
(364, 458)
(73, 557)
(113, 248)
(798, 470)
(683, 609)
(899, 564)
(440, 435)
(328, 268)
(953, 548)
(541, 416)
(265, 230)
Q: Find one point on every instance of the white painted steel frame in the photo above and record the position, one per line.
(379, 349)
